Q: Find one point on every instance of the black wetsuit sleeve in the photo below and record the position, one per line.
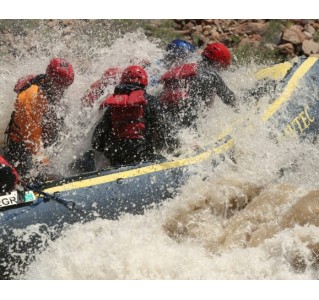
(101, 135)
(224, 93)
(211, 83)
(155, 120)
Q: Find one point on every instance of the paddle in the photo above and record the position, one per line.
(67, 203)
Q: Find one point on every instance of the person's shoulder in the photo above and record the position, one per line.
(29, 92)
(150, 97)
(208, 74)
(209, 71)
(152, 100)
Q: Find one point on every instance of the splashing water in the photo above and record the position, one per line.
(242, 221)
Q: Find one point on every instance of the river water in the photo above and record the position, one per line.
(242, 221)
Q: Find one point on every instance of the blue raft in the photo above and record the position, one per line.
(132, 189)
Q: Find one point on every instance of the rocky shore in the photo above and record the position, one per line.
(287, 37)
(284, 38)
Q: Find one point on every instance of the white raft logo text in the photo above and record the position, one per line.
(8, 200)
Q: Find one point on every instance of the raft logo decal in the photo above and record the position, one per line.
(8, 200)
(300, 123)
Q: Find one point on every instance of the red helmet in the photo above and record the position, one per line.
(60, 71)
(218, 53)
(134, 74)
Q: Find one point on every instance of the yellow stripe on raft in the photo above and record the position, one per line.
(142, 171)
(276, 72)
(291, 86)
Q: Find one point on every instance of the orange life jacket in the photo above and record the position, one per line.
(127, 114)
(25, 125)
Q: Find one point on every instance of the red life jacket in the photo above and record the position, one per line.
(15, 173)
(22, 82)
(96, 90)
(127, 114)
(176, 84)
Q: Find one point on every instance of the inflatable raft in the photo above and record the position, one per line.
(30, 217)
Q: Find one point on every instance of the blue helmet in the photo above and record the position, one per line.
(180, 48)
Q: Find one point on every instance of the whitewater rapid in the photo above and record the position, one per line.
(245, 220)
